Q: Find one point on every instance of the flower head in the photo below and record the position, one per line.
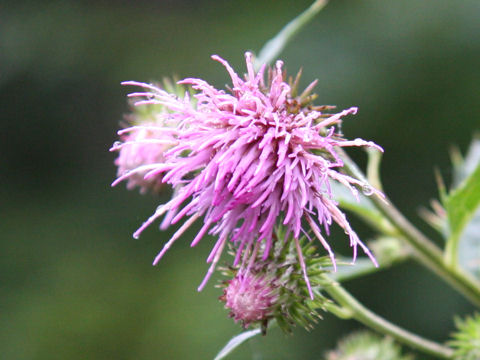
(143, 142)
(140, 146)
(250, 159)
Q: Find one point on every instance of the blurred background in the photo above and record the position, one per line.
(76, 285)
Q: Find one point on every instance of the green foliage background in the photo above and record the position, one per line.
(75, 285)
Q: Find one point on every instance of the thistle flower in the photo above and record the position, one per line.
(248, 159)
(143, 142)
(140, 146)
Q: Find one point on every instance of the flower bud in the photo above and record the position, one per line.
(251, 297)
(466, 340)
(275, 288)
(364, 345)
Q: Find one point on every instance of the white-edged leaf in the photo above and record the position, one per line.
(463, 211)
(348, 271)
(462, 168)
(363, 206)
(237, 341)
(469, 247)
(387, 250)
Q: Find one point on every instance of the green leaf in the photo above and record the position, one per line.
(469, 244)
(462, 168)
(236, 341)
(387, 250)
(361, 204)
(347, 271)
(363, 207)
(461, 205)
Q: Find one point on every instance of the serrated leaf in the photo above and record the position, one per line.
(469, 245)
(461, 206)
(462, 168)
(235, 342)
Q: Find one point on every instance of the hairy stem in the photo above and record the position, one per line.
(377, 323)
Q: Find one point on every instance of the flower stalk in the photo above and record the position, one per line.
(355, 310)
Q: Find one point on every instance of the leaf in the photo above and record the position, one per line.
(469, 244)
(462, 168)
(461, 205)
(350, 271)
(235, 342)
(387, 250)
(469, 247)
(363, 207)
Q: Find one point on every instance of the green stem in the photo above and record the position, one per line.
(451, 251)
(373, 168)
(375, 322)
(425, 251)
(339, 311)
(430, 255)
(274, 46)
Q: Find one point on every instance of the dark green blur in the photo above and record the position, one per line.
(74, 284)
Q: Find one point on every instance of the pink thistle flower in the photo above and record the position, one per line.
(248, 160)
(142, 146)
(151, 132)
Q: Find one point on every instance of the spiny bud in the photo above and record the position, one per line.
(365, 345)
(466, 340)
(251, 297)
(275, 288)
